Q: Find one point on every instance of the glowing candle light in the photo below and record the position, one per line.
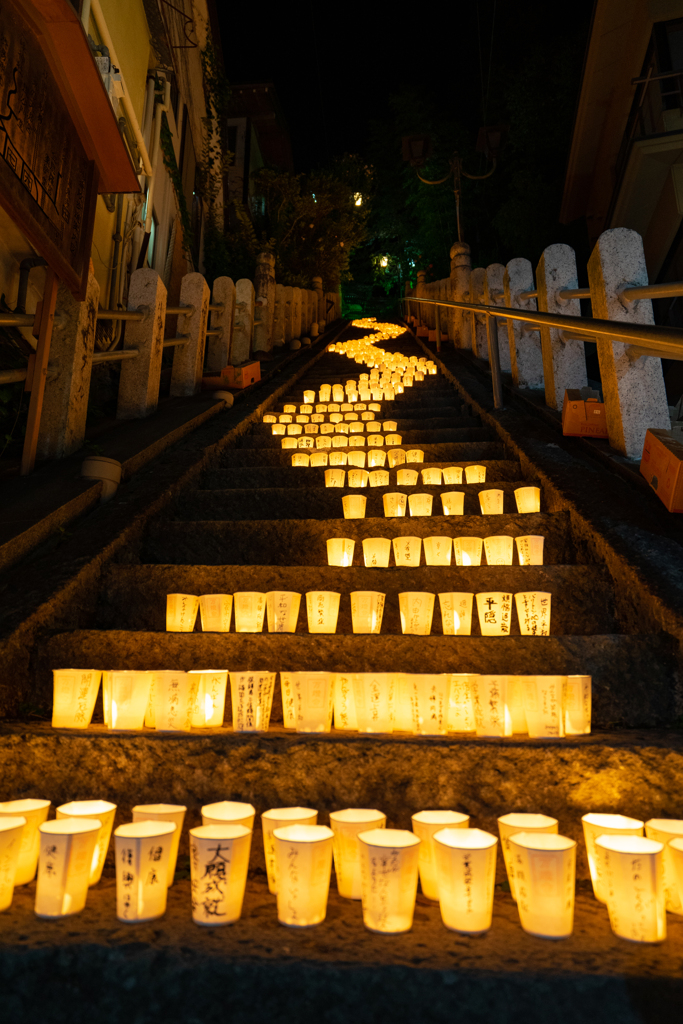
(374, 701)
(528, 499)
(173, 813)
(322, 607)
(577, 705)
(219, 860)
(104, 812)
(406, 710)
(283, 610)
(126, 696)
(11, 830)
(216, 612)
(373, 427)
(142, 856)
(313, 695)
(533, 612)
(181, 612)
(356, 459)
(467, 550)
(392, 439)
(438, 550)
(395, 504)
(278, 429)
(489, 698)
(294, 429)
(460, 706)
(338, 458)
(302, 459)
(174, 696)
(406, 477)
(433, 692)
(456, 613)
(208, 707)
(354, 506)
(358, 478)
(289, 442)
(396, 458)
(309, 397)
(426, 824)
(279, 817)
(340, 551)
(431, 477)
(543, 697)
(346, 825)
(545, 874)
(495, 613)
(453, 503)
(304, 859)
(475, 474)
(389, 867)
(508, 825)
(420, 504)
(252, 700)
(335, 477)
(250, 608)
(491, 502)
(34, 812)
(415, 455)
(530, 550)
(319, 458)
(595, 826)
(377, 458)
(67, 848)
(344, 703)
(367, 608)
(452, 475)
(74, 695)
(465, 861)
(376, 551)
(417, 611)
(498, 550)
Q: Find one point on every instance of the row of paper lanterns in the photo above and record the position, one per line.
(377, 460)
(407, 551)
(639, 877)
(395, 504)
(432, 704)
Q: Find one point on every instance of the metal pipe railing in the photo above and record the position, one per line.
(138, 315)
(17, 319)
(574, 293)
(665, 290)
(12, 376)
(115, 357)
(180, 340)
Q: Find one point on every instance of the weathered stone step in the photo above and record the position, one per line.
(469, 453)
(326, 503)
(134, 596)
(314, 476)
(410, 438)
(404, 426)
(303, 541)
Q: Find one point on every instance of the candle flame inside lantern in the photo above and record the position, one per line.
(114, 712)
(208, 706)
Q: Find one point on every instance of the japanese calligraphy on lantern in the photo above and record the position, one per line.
(543, 705)
(460, 706)
(417, 610)
(495, 613)
(533, 612)
(456, 613)
(251, 693)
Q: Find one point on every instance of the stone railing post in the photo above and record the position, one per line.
(218, 346)
(633, 388)
(244, 322)
(313, 313)
(461, 268)
(318, 288)
(480, 345)
(296, 313)
(304, 314)
(289, 314)
(188, 359)
(526, 358)
(264, 303)
(65, 402)
(564, 362)
(494, 295)
(140, 378)
(279, 317)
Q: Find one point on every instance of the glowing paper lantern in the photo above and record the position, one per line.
(346, 826)
(407, 551)
(305, 442)
(342, 428)
(250, 608)
(327, 428)
(508, 826)
(173, 813)
(596, 825)
(498, 550)
(373, 427)
(533, 612)
(356, 459)
(406, 477)
(325, 393)
(304, 865)
(335, 477)
(337, 393)
(415, 455)
(340, 551)
(252, 700)
(283, 611)
(318, 459)
(367, 608)
(396, 458)
(125, 698)
(309, 397)
(467, 550)
(577, 705)
(465, 860)
(377, 458)
(288, 442)
(634, 886)
(181, 612)
(334, 407)
(543, 705)
(545, 876)
(219, 860)
(355, 428)
(294, 429)
(453, 503)
(67, 848)
(515, 703)
(229, 812)
(475, 474)
(530, 550)
(373, 694)
(495, 613)
(376, 551)
(388, 866)
(417, 611)
(460, 707)
(420, 504)
(425, 824)
(322, 442)
(354, 506)
(303, 419)
(311, 428)
(286, 417)
(431, 477)
(357, 441)
(663, 830)
(317, 417)
(489, 700)
(279, 817)
(491, 502)
(344, 703)
(358, 477)
(456, 613)
(394, 505)
(11, 830)
(34, 812)
(338, 458)
(433, 693)
(322, 607)
(406, 711)
(269, 418)
(208, 706)
(104, 812)
(288, 409)
(379, 478)
(389, 426)
(392, 439)
(528, 499)
(452, 475)
(301, 459)
(438, 550)
(278, 429)
(142, 856)
(75, 692)
(313, 694)
(174, 697)
(216, 612)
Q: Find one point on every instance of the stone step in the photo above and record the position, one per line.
(134, 596)
(303, 541)
(405, 426)
(469, 453)
(410, 438)
(314, 476)
(633, 676)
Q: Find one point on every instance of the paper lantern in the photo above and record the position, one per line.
(392, 439)
(367, 608)
(528, 499)
(219, 860)
(216, 612)
(303, 419)
(173, 699)
(663, 830)
(508, 825)
(311, 428)
(377, 393)
(373, 694)
(356, 428)
(406, 477)
(301, 459)
(396, 458)
(208, 707)
(342, 428)
(495, 613)
(305, 442)
(543, 697)
(376, 458)
(530, 550)
(288, 408)
(431, 477)
(338, 458)
(344, 703)
(11, 830)
(322, 442)
(373, 427)
(357, 441)
(467, 550)
(407, 551)
(286, 417)
(438, 550)
(181, 612)
(313, 695)
(388, 867)
(453, 503)
(415, 455)
(337, 393)
(280, 817)
(174, 813)
(491, 502)
(475, 474)
(334, 407)
(465, 862)
(35, 813)
(318, 458)
(545, 881)
(389, 426)
(425, 824)
(340, 551)
(67, 848)
(460, 707)
(250, 608)
(317, 417)
(321, 408)
(325, 393)
(125, 698)
(417, 611)
(515, 703)
(322, 607)
(252, 700)
(229, 812)
(389, 395)
(309, 397)
(433, 693)
(596, 825)
(294, 429)
(379, 478)
(354, 506)
(143, 850)
(394, 505)
(327, 428)
(452, 475)
(498, 550)
(356, 459)
(456, 613)
(74, 695)
(304, 865)
(358, 477)
(102, 811)
(634, 886)
(269, 418)
(406, 710)
(283, 611)
(278, 429)
(489, 700)
(288, 442)
(576, 703)
(346, 825)
(335, 477)
(533, 612)
(376, 551)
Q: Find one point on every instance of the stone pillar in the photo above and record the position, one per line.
(218, 347)
(318, 288)
(526, 358)
(313, 304)
(480, 345)
(289, 313)
(494, 296)
(188, 359)
(65, 402)
(279, 317)
(264, 306)
(296, 312)
(244, 322)
(564, 362)
(330, 316)
(304, 313)
(461, 268)
(140, 378)
(633, 389)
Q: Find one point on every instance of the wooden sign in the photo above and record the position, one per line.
(48, 186)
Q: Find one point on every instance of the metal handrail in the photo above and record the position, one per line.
(17, 319)
(116, 356)
(138, 315)
(180, 340)
(12, 376)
